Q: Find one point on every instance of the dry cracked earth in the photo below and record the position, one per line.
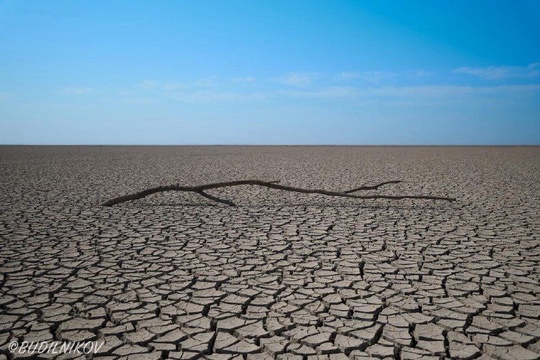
(282, 275)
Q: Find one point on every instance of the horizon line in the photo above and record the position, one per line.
(291, 145)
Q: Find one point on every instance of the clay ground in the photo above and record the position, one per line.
(282, 275)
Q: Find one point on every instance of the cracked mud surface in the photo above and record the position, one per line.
(281, 276)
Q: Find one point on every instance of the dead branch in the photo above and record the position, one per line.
(215, 198)
(200, 189)
(374, 187)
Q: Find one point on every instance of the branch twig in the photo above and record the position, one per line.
(200, 189)
(374, 187)
(215, 198)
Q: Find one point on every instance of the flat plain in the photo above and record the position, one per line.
(281, 275)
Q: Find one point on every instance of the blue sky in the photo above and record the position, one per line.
(270, 72)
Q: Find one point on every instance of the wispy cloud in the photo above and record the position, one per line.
(205, 82)
(447, 92)
(378, 77)
(348, 75)
(204, 90)
(414, 93)
(140, 100)
(77, 90)
(245, 80)
(329, 87)
(156, 85)
(176, 85)
(297, 79)
(332, 92)
(418, 73)
(501, 72)
(369, 76)
(213, 96)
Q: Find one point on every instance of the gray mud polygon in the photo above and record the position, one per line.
(282, 275)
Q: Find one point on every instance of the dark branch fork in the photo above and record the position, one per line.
(200, 189)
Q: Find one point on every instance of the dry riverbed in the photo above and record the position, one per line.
(282, 275)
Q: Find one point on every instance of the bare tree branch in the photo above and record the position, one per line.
(200, 189)
(215, 198)
(374, 187)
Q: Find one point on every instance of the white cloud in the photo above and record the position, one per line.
(369, 76)
(333, 92)
(77, 90)
(377, 77)
(245, 79)
(141, 100)
(418, 73)
(147, 84)
(206, 82)
(213, 96)
(297, 79)
(313, 87)
(156, 85)
(204, 90)
(172, 86)
(449, 90)
(415, 93)
(502, 72)
(348, 75)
